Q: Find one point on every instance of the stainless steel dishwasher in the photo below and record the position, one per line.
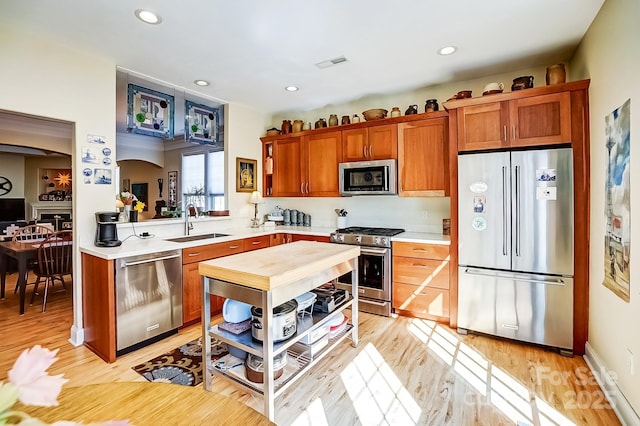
(148, 299)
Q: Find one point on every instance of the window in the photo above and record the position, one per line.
(203, 179)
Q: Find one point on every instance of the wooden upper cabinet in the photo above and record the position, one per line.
(370, 143)
(287, 169)
(423, 158)
(483, 126)
(321, 155)
(537, 120)
(541, 120)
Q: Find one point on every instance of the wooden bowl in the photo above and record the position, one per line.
(374, 114)
(273, 132)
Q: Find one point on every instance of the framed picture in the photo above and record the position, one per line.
(172, 190)
(201, 123)
(246, 173)
(126, 185)
(150, 112)
(141, 191)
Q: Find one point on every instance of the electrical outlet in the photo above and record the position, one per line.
(630, 362)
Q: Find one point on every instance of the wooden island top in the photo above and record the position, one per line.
(270, 268)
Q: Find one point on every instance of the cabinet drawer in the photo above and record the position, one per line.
(256, 243)
(211, 251)
(421, 272)
(421, 301)
(422, 251)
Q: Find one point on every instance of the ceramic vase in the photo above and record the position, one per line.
(556, 74)
(333, 120)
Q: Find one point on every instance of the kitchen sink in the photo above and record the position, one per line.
(188, 238)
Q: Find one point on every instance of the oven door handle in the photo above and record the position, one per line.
(374, 250)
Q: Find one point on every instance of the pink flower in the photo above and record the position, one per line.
(29, 375)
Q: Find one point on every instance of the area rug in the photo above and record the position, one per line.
(181, 366)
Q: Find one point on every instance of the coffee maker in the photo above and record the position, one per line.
(106, 230)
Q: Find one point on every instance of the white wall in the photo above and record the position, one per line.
(418, 214)
(12, 169)
(48, 80)
(609, 55)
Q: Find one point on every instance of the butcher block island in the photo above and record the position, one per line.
(266, 279)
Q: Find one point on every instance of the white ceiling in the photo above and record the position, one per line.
(250, 50)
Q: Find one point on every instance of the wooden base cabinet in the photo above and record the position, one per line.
(192, 281)
(421, 280)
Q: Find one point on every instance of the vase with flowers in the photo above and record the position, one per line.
(138, 207)
(30, 384)
(127, 199)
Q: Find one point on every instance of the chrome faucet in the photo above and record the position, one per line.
(188, 225)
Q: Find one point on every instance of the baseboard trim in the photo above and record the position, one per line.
(77, 336)
(625, 412)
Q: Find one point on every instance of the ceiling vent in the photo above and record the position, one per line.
(331, 62)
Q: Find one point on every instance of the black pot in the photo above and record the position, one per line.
(284, 321)
(133, 216)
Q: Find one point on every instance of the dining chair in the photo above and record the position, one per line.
(54, 262)
(31, 234)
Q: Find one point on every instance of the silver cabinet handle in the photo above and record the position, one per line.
(371, 151)
(504, 210)
(233, 247)
(307, 187)
(193, 254)
(517, 227)
(515, 277)
(364, 151)
(154, 259)
(255, 242)
(504, 129)
(302, 187)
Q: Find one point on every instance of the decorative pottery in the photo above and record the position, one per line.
(413, 109)
(346, 120)
(431, 105)
(374, 114)
(321, 123)
(333, 120)
(556, 74)
(286, 127)
(355, 119)
(395, 112)
(297, 126)
(306, 126)
(524, 82)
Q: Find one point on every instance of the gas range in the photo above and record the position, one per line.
(365, 236)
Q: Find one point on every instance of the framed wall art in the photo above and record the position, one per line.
(172, 189)
(246, 172)
(150, 112)
(141, 191)
(201, 123)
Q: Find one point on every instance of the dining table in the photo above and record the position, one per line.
(23, 252)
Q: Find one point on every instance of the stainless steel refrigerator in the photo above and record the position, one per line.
(515, 253)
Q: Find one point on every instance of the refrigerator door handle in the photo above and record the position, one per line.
(518, 277)
(504, 210)
(517, 227)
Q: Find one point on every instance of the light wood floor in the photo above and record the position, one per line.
(404, 371)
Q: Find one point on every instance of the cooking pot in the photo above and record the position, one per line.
(254, 367)
(284, 321)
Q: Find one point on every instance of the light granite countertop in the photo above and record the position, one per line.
(134, 245)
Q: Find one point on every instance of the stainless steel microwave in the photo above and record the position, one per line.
(368, 178)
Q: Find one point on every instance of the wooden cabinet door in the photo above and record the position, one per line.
(276, 239)
(383, 142)
(355, 144)
(322, 154)
(483, 126)
(305, 237)
(370, 143)
(423, 158)
(541, 120)
(256, 243)
(287, 169)
(192, 295)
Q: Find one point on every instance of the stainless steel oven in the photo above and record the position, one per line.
(374, 266)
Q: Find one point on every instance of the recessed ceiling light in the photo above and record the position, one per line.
(291, 88)
(201, 82)
(148, 17)
(447, 50)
